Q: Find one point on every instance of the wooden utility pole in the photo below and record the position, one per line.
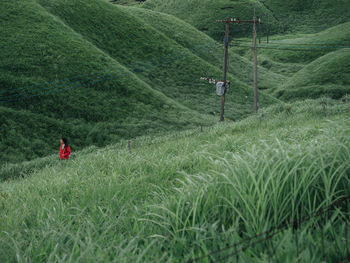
(255, 65)
(224, 77)
(268, 28)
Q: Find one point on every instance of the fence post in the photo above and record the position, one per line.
(322, 234)
(324, 108)
(129, 146)
(295, 231)
(346, 228)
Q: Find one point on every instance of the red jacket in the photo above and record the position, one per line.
(64, 152)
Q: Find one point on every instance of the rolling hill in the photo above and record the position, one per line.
(310, 31)
(328, 76)
(67, 86)
(315, 56)
(99, 80)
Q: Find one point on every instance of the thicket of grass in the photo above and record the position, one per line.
(183, 195)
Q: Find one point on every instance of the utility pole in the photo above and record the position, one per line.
(255, 65)
(227, 22)
(268, 28)
(227, 36)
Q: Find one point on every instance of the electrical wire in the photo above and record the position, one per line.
(294, 48)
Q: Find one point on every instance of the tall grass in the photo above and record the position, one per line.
(181, 196)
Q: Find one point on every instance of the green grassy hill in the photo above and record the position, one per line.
(99, 80)
(68, 86)
(317, 61)
(326, 76)
(310, 15)
(288, 55)
(184, 195)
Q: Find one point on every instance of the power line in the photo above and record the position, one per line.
(300, 48)
(287, 42)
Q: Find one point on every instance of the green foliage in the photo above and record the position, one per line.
(185, 194)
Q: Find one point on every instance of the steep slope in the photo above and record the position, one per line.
(73, 88)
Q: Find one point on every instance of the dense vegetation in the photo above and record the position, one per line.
(183, 195)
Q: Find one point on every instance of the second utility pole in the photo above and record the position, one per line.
(256, 106)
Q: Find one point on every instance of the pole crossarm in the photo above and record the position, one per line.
(236, 21)
(214, 81)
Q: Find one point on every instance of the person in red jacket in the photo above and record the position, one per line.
(64, 149)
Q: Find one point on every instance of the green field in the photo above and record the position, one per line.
(107, 74)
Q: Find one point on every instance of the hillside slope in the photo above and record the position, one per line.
(326, 76)
(182, 196)
(317, 60)
(73, 87)
(111, 77)
(159, 60)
